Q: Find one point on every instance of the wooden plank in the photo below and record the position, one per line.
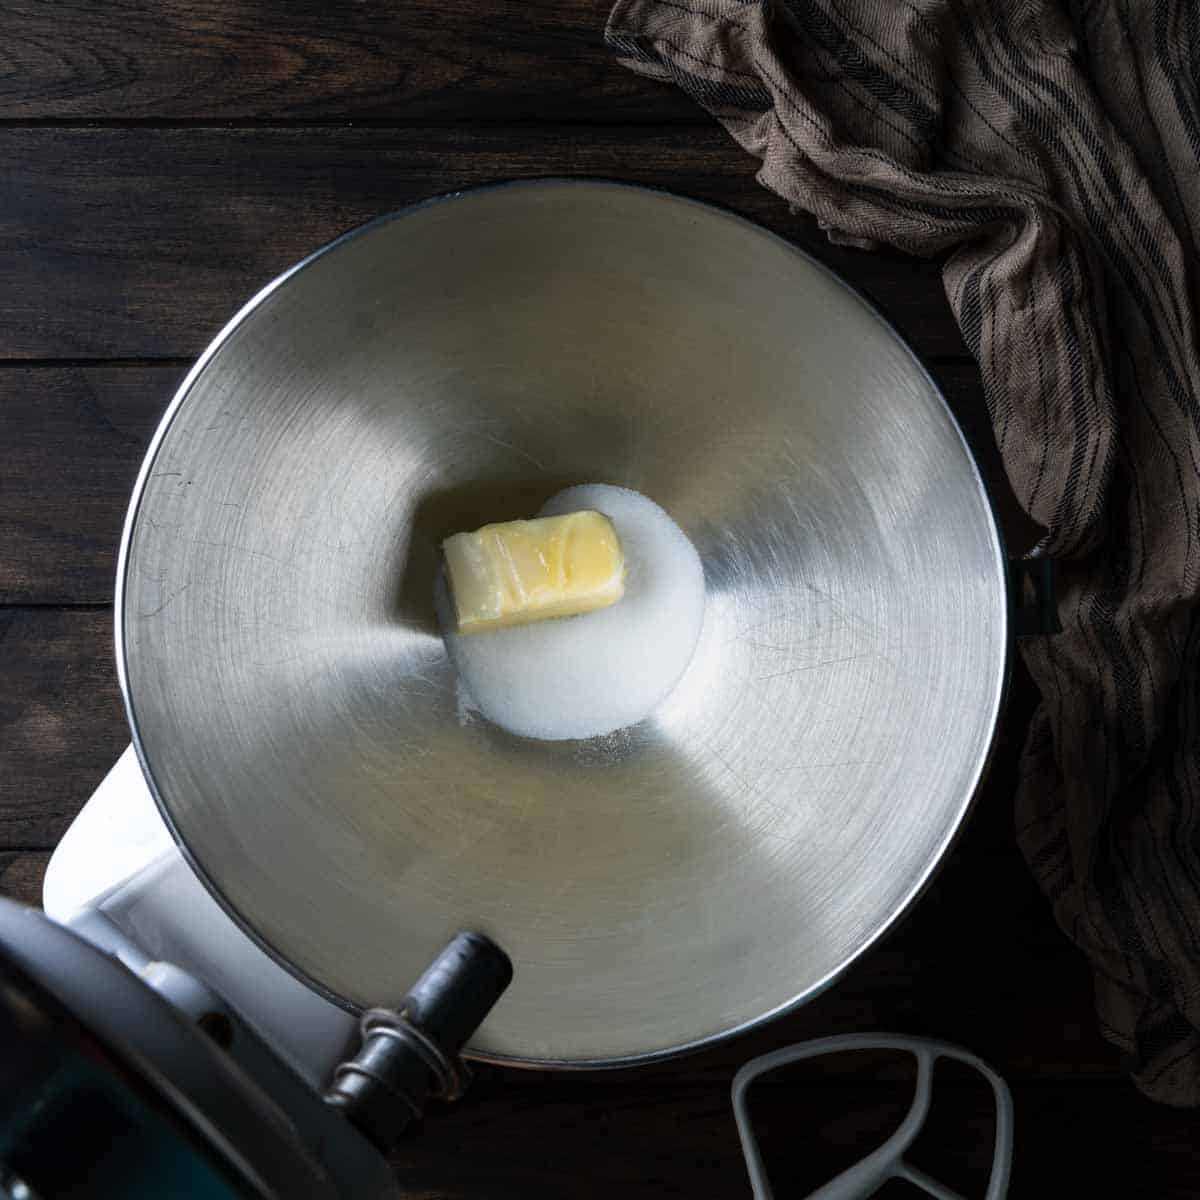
(21, 873)
(278, 60)
(599, 1132)
(610, 1137)
(71, 441)
(669, 1131)
(62, 724)
(960, 966)
(142, 243)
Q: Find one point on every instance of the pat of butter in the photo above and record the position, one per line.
(520, 571)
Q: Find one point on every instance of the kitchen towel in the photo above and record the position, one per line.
(1051, 153)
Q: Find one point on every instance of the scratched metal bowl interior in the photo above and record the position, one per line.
(458, 363)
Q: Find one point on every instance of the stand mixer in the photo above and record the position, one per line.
(309, 815)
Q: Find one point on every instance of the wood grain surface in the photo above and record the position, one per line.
(140, 243)
(603, 1138)
(334, 61)
(74, 437)
(162, 160)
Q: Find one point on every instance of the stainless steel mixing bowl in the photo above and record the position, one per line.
(457, 363)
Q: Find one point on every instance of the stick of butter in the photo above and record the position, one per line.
(520, 571)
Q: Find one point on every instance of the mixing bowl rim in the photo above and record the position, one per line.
(937, 860)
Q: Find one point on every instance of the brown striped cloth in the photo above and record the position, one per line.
(1050, 152)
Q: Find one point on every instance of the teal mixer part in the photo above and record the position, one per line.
(82, 1131)
(136, 1083)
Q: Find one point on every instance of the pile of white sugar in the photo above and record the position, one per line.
(586, 676)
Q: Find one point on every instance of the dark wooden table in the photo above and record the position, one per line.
(159, 161)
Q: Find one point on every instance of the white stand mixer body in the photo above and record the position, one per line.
(118, 859)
